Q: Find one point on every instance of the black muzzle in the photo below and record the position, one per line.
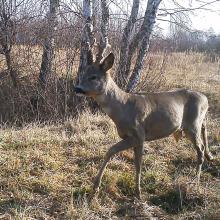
(78, 90)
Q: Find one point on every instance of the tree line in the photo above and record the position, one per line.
(76, 27)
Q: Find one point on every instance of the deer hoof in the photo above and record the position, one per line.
(95, 191)
(96, 184)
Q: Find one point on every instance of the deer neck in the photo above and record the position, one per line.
(113, 100)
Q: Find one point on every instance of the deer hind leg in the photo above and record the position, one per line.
(138, 153)
(195, 136)
(208, 154)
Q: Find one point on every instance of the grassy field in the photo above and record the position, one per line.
(47, 170)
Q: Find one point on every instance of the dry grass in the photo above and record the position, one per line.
(46, 170)
(29, 102)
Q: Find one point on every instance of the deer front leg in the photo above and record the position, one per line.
(120, 146)
(138, 153)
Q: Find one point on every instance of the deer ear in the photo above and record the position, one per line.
(89, 57)
(108, 62)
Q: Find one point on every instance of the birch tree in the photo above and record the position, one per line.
(103, 44)
(129, 45)
(144, 36)
(140, 42)
(121, 79)
(87, 38)
(49, 42)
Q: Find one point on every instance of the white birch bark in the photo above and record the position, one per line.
(87, 39)
(121, 79)
(48, 47)
(147, 28)
(103, 44)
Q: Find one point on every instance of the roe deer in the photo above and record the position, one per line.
(145, 116)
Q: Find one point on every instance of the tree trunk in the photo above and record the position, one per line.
(7, 35)
(103, 45)
(11, 70)
(87, 39)
(146, 30)
(121, 80)
(48, 47)
(129, 46)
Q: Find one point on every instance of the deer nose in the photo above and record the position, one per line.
(79, 90)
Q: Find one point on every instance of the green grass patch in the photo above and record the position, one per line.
(126, 183)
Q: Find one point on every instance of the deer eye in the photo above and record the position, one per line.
(92, 78)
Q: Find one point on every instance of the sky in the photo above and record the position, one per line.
(202, 19)
(205, 20)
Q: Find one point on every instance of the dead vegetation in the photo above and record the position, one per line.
(47, 169)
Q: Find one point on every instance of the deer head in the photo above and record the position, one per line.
(95, 78)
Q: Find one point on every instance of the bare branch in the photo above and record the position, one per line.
(180, 8)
